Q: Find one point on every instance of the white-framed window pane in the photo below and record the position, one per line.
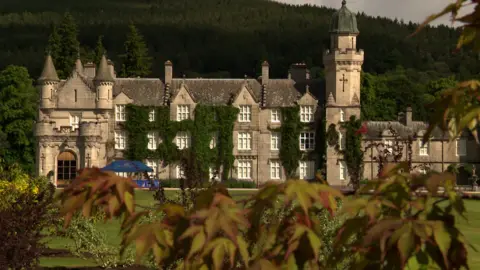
(275, 169)
(152, 140)
(213, 174)
(183, 112)
(151, 115)
(343, 170)
(74, 121)
(213, 140)
(388, 146)
(244, 141)
(244, 169)
(461, 147)
(120, 139)
(307, 140)
(306, 114)
(154, 165)
(120, 113)
(275, 141)
(275, 116)
(423, 148)
(342, 115)
(122, 174)
(245, 114)
(183, 140)
(341, 141)
(307, 170)
(180, 172)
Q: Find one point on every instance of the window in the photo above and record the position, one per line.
(213, 141)
(154, 165)
(183, 140)
(183, 112)
(306, 114)
(342, 115)
(341, 141)
(461, 147)
(343, 170)
(275, 116)
(423, 148)
(213, 174)
(307, 140)
(74, 121)
(245, 114)
(120, 139)
(122, 174)
(275, 141)
(275, 169)
(151, 115)
(180, 172)
(75, 93)
(120, 114)
(152, 140)
(422, 170)
(388, 144)
(307, 169)
(244, 141)
(244, 169)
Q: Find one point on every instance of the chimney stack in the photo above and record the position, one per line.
(111, 67)
(168, 72)
(299, 72)
(408, 117)
(265, 72)
(89, 69)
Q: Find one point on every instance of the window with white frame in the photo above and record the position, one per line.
(120, 139)
(244, 170)
(275, 169)
(244, 141)
(275, 141)
(120, 113)
(275, 116)
(180, 172)
(152, 140)
(388, 145)
(245, 114)
(342, 115)
(151, 115)
(307, 140)
(461, 147)
(307, 169)
(423, 148)
(183, 112)
(122, 174)
(306, 114)
(213, 140)
(154, 165)
(343, 170)
(341, 141)
(74, 121)
(183, 140)
(213, 174)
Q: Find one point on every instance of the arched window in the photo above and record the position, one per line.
(66, 168)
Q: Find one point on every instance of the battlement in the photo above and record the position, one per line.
(44, 128)
(344, 52)
(349, 56)
(89, 129)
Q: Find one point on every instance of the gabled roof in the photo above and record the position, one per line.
(177, 91)
(375, 129)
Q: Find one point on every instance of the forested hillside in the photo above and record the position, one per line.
(208, 36)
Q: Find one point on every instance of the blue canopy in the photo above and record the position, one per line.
(127, 166)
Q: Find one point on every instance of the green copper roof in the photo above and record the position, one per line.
(49, 73)
(344, 21)
(103, 72)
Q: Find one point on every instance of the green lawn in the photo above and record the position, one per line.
(471, 229)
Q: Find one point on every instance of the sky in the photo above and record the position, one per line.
(408, 10)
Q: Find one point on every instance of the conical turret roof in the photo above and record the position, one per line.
(344, 21)
(78, 65)
(49, 73)
(103, 72)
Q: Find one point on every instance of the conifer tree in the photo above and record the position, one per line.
(99, 50)
(54, 46)
(136, 61)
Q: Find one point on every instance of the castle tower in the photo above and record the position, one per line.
(47, 83)
(343, 66)
(104, 85)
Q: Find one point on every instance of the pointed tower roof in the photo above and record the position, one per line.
(103, 72)
(49, 73)
(330, 100)
(344, 21)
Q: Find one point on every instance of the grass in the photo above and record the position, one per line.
(470, 228)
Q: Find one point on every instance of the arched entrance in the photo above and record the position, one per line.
(66, 168)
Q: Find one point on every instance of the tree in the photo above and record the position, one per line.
(99, 50)
(17, 113)
(136, 62)
(54, 43)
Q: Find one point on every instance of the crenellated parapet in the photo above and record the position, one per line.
(44, 128)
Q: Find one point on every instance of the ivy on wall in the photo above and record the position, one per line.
(290, 130)
(352, 150)
(199, 157)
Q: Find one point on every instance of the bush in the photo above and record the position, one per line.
(26, 208)
(230, 183)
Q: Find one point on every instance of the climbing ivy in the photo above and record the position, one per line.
(351, 151)
(290, 130)
(331, 136)
(198, 157)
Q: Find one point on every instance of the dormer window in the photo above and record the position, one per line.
(275, 116)
(120, 113)
(245, 114)
(342, 115)
(183, 112)
(306, 114)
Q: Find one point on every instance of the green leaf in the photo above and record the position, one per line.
(218, 255)
(406, 245)
(142, 245)
(197, 243)
(315, 243)
(129, 202)
(443, 239)
(292, 263)
(243, 249)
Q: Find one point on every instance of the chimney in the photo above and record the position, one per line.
(408, 117)
(111, 67)
(265, 72)
(299, 72)
(168, 72)
(89, 69)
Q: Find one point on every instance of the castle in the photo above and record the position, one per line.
(80, 117)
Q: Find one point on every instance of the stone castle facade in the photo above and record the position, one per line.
(79, 118)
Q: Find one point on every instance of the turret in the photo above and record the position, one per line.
(104, 85)
(343, 29)
(47, 83)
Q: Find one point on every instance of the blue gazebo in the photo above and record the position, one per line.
(129, 166)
